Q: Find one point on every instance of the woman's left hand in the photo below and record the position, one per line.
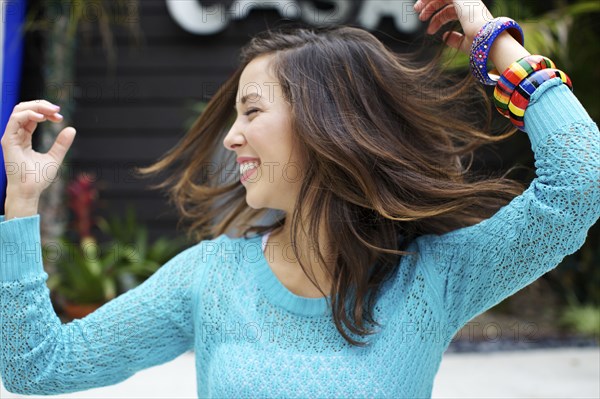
(471, 14)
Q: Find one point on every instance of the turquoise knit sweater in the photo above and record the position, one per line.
(252, 337)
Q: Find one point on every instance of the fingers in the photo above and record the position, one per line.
(62, 144)
(427, 8)
(27, 115)
(456, 40)
(40, 106)
(23, 122)
(472, 14)
(445, 15)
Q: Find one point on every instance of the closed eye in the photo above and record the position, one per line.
(251, 111)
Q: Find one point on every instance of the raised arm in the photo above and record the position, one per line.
(479, 266)
(146, 326)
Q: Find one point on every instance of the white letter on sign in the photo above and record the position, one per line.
(195, 18)
(338, 15)
(405, 17)
(287, 8)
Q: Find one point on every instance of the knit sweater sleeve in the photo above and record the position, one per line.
(146, 326)
(480, 265)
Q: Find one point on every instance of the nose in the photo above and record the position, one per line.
(234, 138)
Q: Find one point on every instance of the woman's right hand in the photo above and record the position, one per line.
(29, 172)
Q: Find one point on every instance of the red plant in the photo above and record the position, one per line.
(82, 196)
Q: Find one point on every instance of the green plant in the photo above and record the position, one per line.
(92, 272)
(137, 258)
(582, 318)
(89, 272)
(83, 275)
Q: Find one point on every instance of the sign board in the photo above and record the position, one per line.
(210, 17)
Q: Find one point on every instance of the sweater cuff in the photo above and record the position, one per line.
(552, 106)
(20, 248)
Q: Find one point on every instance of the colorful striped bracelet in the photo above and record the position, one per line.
(480, 48)
(513, 75)
(519, 100)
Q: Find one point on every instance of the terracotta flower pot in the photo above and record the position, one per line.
(79, 310)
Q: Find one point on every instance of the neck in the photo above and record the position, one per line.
(319, 272)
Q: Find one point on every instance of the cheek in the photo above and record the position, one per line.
(271, 138)
(292, 173)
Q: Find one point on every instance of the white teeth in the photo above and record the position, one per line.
(246, 166)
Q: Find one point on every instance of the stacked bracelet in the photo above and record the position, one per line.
(514, 75)
(480, 48)
(519, 99)
(520, 80)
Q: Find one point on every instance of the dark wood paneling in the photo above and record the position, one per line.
(168, 115)
(163, 56)
(130, 88)
(121, 150)
(147, 208)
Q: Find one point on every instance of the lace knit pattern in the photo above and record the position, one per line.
(254, 338)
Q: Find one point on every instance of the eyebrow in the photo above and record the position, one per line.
(245, 99)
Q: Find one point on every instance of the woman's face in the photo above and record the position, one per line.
(261, 137)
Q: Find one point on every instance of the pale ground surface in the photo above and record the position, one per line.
(549, 373)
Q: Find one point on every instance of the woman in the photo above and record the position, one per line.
(379, 232)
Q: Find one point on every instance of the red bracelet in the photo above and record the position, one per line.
(513, 75)
(519, 100)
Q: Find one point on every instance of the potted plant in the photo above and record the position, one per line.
(85, 279)
(91, 273)
(136, 257)
(81, 280)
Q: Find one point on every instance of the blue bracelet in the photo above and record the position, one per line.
(480, 48)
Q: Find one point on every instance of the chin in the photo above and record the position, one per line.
(263, 199)
(254, 203)
(254, 206)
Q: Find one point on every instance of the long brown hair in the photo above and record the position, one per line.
(390, 143)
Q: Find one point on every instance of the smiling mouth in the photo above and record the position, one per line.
(247, 169)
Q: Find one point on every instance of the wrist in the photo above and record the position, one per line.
(505, 51)
(18, 207)
(16, 193)
(500, 41)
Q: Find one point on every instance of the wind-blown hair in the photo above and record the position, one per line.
(390, 145)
